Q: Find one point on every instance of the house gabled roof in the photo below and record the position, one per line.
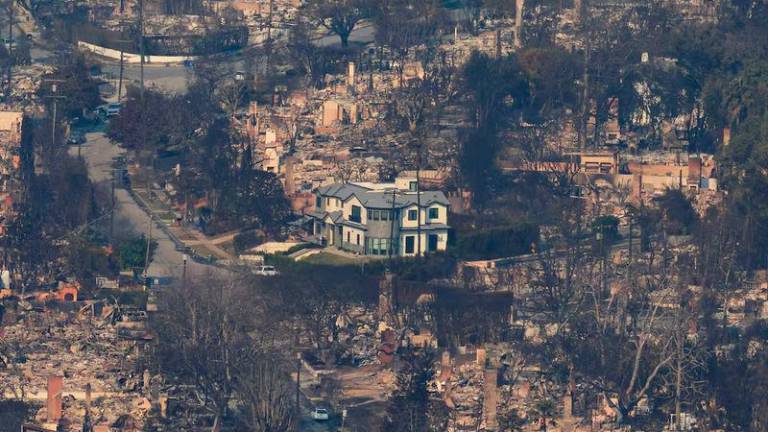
(381, 199)
(335, 216)
(343, 191)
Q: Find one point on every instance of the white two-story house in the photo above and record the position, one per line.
(381, 218)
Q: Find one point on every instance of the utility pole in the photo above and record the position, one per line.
(584, 120)
(298, 386)
(11, 58)
(418, 199)
(184, 271)
(149, 245)
(390, 247)
(629, 268)
(141, 46)
(11, 14)
(120, 81)
(53, 118)
(112, 211)
(269, 36)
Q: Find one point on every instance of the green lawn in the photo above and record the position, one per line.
(325, 258)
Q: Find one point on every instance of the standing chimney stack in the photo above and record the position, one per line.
(55, 387)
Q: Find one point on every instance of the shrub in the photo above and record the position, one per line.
(498, 242)
(247, 239)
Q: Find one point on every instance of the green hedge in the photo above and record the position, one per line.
(246, 240)
(497, 242)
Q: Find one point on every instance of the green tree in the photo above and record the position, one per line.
(409, 404)
(494, 88)
(79, 90)
(159, 121)
(132, 253)
(550, 96)
(678, 215)
(87, 259)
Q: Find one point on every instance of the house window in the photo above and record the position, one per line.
(374, 215)
(379, 246)
(434, 213)
(355, 215)
(412, 186)
(409, 243)
(384, 215)
(318, 202)
(358, 240)
(413, 215)
(432, 242)
(327, 202)
(348, 234)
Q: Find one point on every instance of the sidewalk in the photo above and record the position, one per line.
(202, 243)
(164, 215)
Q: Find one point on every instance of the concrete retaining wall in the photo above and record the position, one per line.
(131, 58)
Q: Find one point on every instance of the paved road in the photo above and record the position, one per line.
(175, 78)
(98, 152)
(362, 34)
(172, 78)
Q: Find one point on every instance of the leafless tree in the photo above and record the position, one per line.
(265, 392)
(205, 328)
(634, 340)
(232, 94)
(339, 16)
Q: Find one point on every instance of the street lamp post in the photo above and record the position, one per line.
(54, 109)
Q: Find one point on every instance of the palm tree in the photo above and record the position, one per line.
(544, 409)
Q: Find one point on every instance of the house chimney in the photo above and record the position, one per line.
(519, 6)
(445, 359)
(726, 136)
(87, 424)
(88, 397)
(577, 9)
(55, 386)
(480, 357)
(568, 405)
(637, 188)
(351, 74)
(386, 297)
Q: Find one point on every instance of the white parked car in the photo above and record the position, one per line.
(265, 271)
(320, 414)
(109, 110)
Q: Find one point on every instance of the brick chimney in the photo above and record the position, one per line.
(55, 387)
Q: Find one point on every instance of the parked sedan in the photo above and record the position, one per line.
(320, 414)
(265, 271)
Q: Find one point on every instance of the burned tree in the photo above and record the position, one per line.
(204, 335)
(339, 16)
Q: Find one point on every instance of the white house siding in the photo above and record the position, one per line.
(423, 215)
(442, 242)
(353, 239)
(348, 210)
